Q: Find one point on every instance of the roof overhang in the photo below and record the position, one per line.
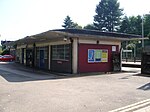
(55, 35)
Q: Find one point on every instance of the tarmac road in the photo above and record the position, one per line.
(23, 90)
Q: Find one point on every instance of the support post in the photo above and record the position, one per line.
(75, 56)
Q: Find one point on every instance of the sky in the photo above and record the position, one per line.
(21, 18)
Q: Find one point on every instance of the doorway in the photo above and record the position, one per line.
(42, 62)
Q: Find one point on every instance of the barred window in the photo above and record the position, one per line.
(60, 52)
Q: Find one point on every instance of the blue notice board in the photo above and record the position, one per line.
(91, 55)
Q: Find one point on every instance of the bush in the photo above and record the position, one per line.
(5, 52)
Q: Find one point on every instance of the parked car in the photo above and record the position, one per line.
(7, 58)
(1, 57)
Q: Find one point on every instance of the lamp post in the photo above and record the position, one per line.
(126, 52)
(143, 32)
(134, 52)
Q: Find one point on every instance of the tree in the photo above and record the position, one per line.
(125, 25)
(68, 23)
(108, 15)
(89, 26)
(75, 25)
(6, 51)
(135, 25)
(138, 25)
(0, 49)
(147, 25)
(131, 25)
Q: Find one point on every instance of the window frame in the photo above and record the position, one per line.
(61, 52)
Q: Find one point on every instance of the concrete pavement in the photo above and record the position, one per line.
(27, 91)
(142, 106)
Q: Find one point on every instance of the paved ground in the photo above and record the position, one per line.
(23, 90)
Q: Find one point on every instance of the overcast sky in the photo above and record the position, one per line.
(20, 18)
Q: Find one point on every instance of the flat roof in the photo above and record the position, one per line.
(80, 33)
(98, 33)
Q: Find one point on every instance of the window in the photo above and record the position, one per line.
(60, 52)
(45, 49)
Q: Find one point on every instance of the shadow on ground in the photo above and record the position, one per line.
(126, 77)
(23, 73)
(20, 73)
(145, 87)
(142, 75)
(15, 77)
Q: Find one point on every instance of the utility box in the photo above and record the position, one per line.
(145, 62)
(116, 61)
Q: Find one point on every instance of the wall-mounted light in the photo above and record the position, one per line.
(65, 39)
(97, 42)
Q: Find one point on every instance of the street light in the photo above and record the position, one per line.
(143, 32)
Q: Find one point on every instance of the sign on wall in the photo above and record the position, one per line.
(114, 48)
(97, 55)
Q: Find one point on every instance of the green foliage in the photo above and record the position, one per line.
(68, 23)
(130, 46)
(124, 27)
(3, 47)
(0, 49)
(147, 25)
(5, 52)
(135, 25)
(15, 46)
(131, 25)
(75, 25)
(138, 25)
(90, 27)
(108, 15)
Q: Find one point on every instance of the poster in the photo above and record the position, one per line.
(104, 55)
(97, 55)
(91, 55)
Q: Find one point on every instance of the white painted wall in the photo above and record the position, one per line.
(102, 42)
(75, 55)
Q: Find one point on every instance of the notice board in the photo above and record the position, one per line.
(97, 55)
